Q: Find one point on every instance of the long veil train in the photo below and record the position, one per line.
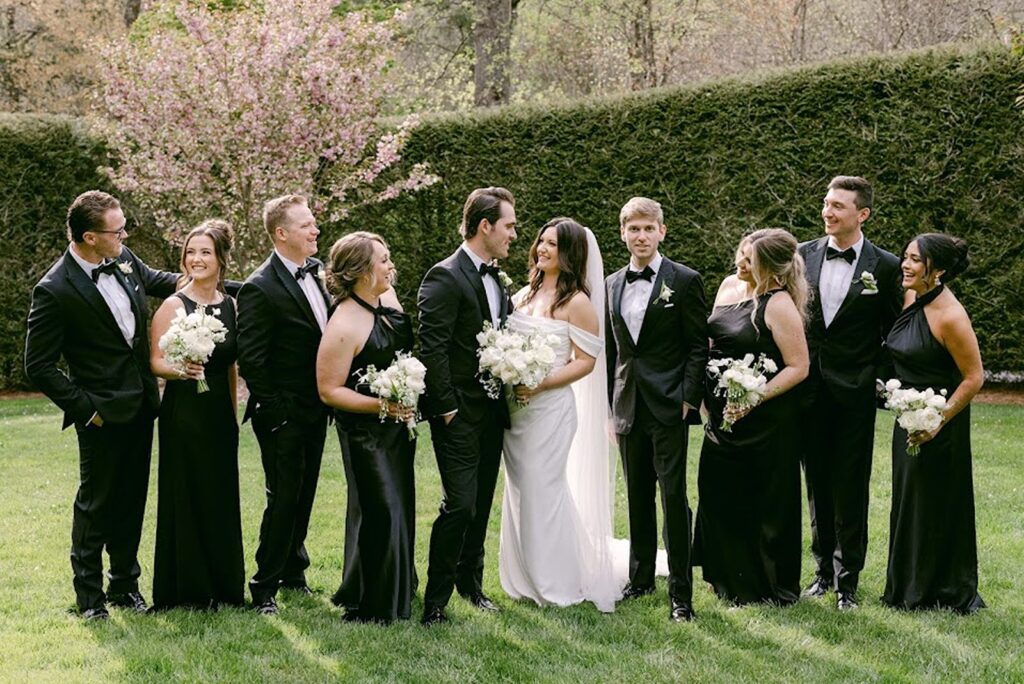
(590, 469)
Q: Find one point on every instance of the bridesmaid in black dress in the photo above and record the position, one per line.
(747, 535)
(933, 555)
(367, 328)
(199, 562)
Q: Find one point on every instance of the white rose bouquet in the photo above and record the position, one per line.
(191, 339)
(741, 382)
(401, 383)
(916, 410)
(512, 358)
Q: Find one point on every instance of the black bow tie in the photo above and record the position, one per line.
(308, 268)
(646, 274)
(848, 254)
(107, 267)
(489, 269)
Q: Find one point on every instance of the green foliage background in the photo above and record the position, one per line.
(935, 131)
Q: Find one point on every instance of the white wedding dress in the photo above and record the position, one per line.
(556, 524)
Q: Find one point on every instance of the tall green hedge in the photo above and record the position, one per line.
(935, 131)
(45, 161)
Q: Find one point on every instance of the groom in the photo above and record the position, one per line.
(90, 309)
(457, 296)
(282, 311)
(657, 350)
(857, 296)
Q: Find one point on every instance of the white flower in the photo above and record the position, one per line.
(665, 294)
(868, 280)
(505, 281)
(124, 267)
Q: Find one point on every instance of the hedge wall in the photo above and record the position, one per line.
(936, 131)
(45, 161)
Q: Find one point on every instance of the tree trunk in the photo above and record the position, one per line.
(492, 37)
(132, 8)
(643, 68)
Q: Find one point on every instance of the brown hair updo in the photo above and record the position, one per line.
(351, 258)
(774, 256)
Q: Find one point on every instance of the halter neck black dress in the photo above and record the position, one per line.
(379, 577)
(199, 560)
(933, 553)
(747, 533)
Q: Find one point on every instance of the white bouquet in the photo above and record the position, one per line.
(191, 339)
(916, 410)
(741, 382)
(401, 383)
(512, 358)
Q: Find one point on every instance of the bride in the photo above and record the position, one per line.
(556, 522)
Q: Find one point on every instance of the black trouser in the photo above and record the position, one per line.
(654, 454)
(291, 465)
(468, 454)
(837, 465)
(109, 507)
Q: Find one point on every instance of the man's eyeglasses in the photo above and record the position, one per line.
(119, 231)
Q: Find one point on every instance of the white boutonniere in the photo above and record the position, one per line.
(321, 275)
(868, 281)
(666, 294)
(124, 267)
(505, 281)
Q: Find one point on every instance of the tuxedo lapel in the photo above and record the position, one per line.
(292, 286)
(867, 262)
(477, 283)
(87, 290)
(659, 281)
(618, 282)
(815, 257)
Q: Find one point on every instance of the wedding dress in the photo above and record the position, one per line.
(556, 524)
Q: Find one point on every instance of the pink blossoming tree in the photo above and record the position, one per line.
(214, 113)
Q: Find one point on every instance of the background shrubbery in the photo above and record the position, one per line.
(936, 132)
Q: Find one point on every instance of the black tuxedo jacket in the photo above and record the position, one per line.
(278, 338)
(452, 307)
(665, 366)
(70, 318)
(847, 355)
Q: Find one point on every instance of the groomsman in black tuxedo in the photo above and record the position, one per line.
(456, 297)
(657, 349)
(90, 309)
(857, 296)
(282, 311)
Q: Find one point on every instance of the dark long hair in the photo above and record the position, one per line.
(572, 261)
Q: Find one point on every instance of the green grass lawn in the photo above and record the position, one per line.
(40, 640)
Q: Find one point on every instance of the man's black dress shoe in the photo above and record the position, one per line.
(266, 606)
(132, 600)
(433, 616)
(481, 602)
(846, 600)
(631, 592)
(95, 614)
(818, 588)
(681, 611)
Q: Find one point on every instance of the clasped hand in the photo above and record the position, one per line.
(524, 393)
(191, 371)
(921, 436)
(400, 413)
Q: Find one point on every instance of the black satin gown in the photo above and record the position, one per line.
(747, 533)
(199, 561)
(379, 577)
(933, 553)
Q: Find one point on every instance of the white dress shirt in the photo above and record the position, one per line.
(490, 287)
(114, 295)
(635, 297)
(834, 283)
(309, 288)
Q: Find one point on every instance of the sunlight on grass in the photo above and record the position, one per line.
(42, 641)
